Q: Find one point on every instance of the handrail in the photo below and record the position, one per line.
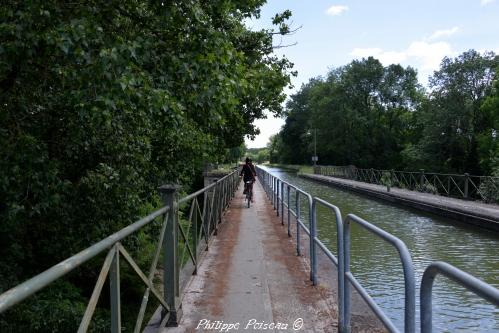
(342, 262)
(20, 292)
(463, 186)
(339, 261)
(215, 197)
(409, 281)
(466, 280)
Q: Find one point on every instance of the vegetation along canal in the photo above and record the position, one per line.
(429, 238)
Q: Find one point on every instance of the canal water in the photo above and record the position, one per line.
(429, 238)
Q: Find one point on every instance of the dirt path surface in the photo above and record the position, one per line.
(251, 277)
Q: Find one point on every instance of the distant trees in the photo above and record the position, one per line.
(360, 112)
(378, 116)
(452, 125)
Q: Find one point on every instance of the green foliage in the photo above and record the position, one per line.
(258, 155)
(102, 101)
(373, 116)
(452, 122)
(57, 309)
(489, 186)
(427, 188)
(361, 113)
(387, 179)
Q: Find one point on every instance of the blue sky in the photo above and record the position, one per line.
(412, 33)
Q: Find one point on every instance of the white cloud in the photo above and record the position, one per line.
(486, 2)
(443, 33)
(336, 10)
(429, 55)
(424, 55)
(386, 57)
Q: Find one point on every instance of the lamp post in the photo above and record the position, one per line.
(315, 146)
(315, 158)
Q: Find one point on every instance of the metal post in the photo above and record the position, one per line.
(282, 203)
(274, 182)
(313, 234)
(222, 202)
(466, 184)
(169, 195)
(114, 284)
(448, 186)
(421, 179)
(298, 251)
(278, 182)
(289, 216)
(214, 208)
(205, 218)
(315, 147)
(195, 247)
(347, 289)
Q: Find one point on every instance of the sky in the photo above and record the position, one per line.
(416, 33)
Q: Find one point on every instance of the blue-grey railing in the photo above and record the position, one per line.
(466, 280)
(409, 282)
(178, 237)
(279, 192)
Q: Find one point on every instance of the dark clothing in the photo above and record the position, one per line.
(252, 168)
(247, 173)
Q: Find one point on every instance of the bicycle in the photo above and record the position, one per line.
(249, 192)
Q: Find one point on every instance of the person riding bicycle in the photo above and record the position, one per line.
(252, 167)
(248, 175)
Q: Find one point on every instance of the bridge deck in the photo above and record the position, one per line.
(252, 274)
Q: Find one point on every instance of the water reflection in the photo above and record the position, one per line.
(377, 266)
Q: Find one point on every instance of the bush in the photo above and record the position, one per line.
(489, 189)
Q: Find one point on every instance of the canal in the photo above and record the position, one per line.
(429, 238)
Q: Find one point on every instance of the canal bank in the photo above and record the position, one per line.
(472, 212)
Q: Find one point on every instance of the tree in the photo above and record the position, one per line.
(452, 120)
(361, 114)
(488, 140)
(274, 149)
(102, 101)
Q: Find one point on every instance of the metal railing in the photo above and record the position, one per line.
(409, 282)
(466, 280)
(281, 195)
(177, 238)
(463, 186)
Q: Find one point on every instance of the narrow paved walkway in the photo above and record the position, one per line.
(484, 214)
(251, 276)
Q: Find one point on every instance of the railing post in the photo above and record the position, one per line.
(282, 203)
(195, 243)
(346, 270)
(466, 185)
(205, 219)
(278, 182)
(274, 184)
(169, 195)
(289, 215)
(298, 247)
(421, 179)
(313, 234)
(114, 285)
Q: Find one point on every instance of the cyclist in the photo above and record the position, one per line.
(252, 167)
(248, 175)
